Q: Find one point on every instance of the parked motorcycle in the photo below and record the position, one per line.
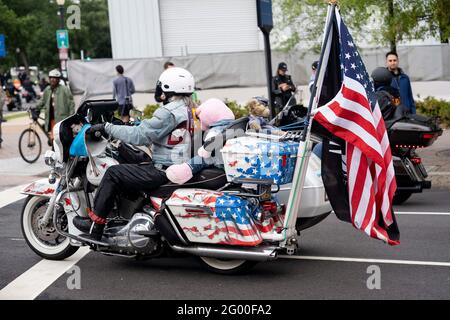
(229, 219)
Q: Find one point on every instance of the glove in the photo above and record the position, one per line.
(97, 130)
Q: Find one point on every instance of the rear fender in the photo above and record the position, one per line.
(41, 188)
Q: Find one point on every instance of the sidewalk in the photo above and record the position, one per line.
(437, 161)
(13, 169)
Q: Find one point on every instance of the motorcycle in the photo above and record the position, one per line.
(229, 219)
(407, 133)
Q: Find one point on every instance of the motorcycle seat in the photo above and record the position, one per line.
(209, 178)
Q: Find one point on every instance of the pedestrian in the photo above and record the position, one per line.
(159, 94)
(57, 102)
(123, 89)
(400, 81)
(314, 67)
(283, 88)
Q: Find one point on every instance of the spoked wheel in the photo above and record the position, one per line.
(30, 146)
(227, 266)
(44, 240)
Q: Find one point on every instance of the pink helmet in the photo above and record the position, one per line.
(213, 110)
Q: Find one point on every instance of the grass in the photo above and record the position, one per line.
(15, 115)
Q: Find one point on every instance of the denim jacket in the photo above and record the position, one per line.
(167, 132)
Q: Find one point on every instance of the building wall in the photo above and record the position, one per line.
(168, 28)
(208, 26)
(135, 28)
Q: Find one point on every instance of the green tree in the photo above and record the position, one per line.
(385, 22)
(30, 26)
(94, 36)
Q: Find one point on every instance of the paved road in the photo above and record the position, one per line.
(424, 237)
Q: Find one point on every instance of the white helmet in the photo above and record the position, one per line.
(54, 74)
(177, 80)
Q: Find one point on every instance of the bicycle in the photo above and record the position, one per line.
(30, 145)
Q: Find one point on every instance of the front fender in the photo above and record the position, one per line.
(40, 188)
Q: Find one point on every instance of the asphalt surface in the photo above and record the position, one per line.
(423, 238)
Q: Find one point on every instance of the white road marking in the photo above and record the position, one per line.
(423, 213)
(340, 259)
(11, 195)
(34, 281)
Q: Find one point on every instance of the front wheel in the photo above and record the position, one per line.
(30, 146)
(44, 241)
(227, 266)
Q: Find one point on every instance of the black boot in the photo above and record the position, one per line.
(94, 230)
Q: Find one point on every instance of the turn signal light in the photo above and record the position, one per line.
(427, 136)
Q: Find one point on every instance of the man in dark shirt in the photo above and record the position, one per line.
(282, 88)
(123, 89)
(159, 94)
(400, 81)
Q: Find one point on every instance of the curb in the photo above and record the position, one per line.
(16, 115)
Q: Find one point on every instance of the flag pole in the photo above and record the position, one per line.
(304, 150)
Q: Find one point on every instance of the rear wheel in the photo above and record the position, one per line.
(44, 241)
(227, 266)
(401, 197)
(30, 146)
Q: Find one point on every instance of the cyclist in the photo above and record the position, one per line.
(57, 101)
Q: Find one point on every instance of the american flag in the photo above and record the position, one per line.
(354, 116)
(234, 221)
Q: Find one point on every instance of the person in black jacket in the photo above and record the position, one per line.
(159, 94)
(282, 88)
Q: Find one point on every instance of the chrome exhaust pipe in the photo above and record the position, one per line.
(249, 253)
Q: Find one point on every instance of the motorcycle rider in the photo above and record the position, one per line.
(388, 97)
(57, 100)
(168, 132)
(159, 94)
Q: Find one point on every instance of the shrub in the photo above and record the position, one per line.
(149, 109)
(431, 106)
(238, 110)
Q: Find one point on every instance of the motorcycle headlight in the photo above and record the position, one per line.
(50, 158)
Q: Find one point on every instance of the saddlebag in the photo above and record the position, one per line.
(206, 216)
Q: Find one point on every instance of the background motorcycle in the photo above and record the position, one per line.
(158, 223)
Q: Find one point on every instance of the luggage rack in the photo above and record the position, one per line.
(286, 135)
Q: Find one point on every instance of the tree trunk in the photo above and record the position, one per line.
(24, 59)
(393, 40)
